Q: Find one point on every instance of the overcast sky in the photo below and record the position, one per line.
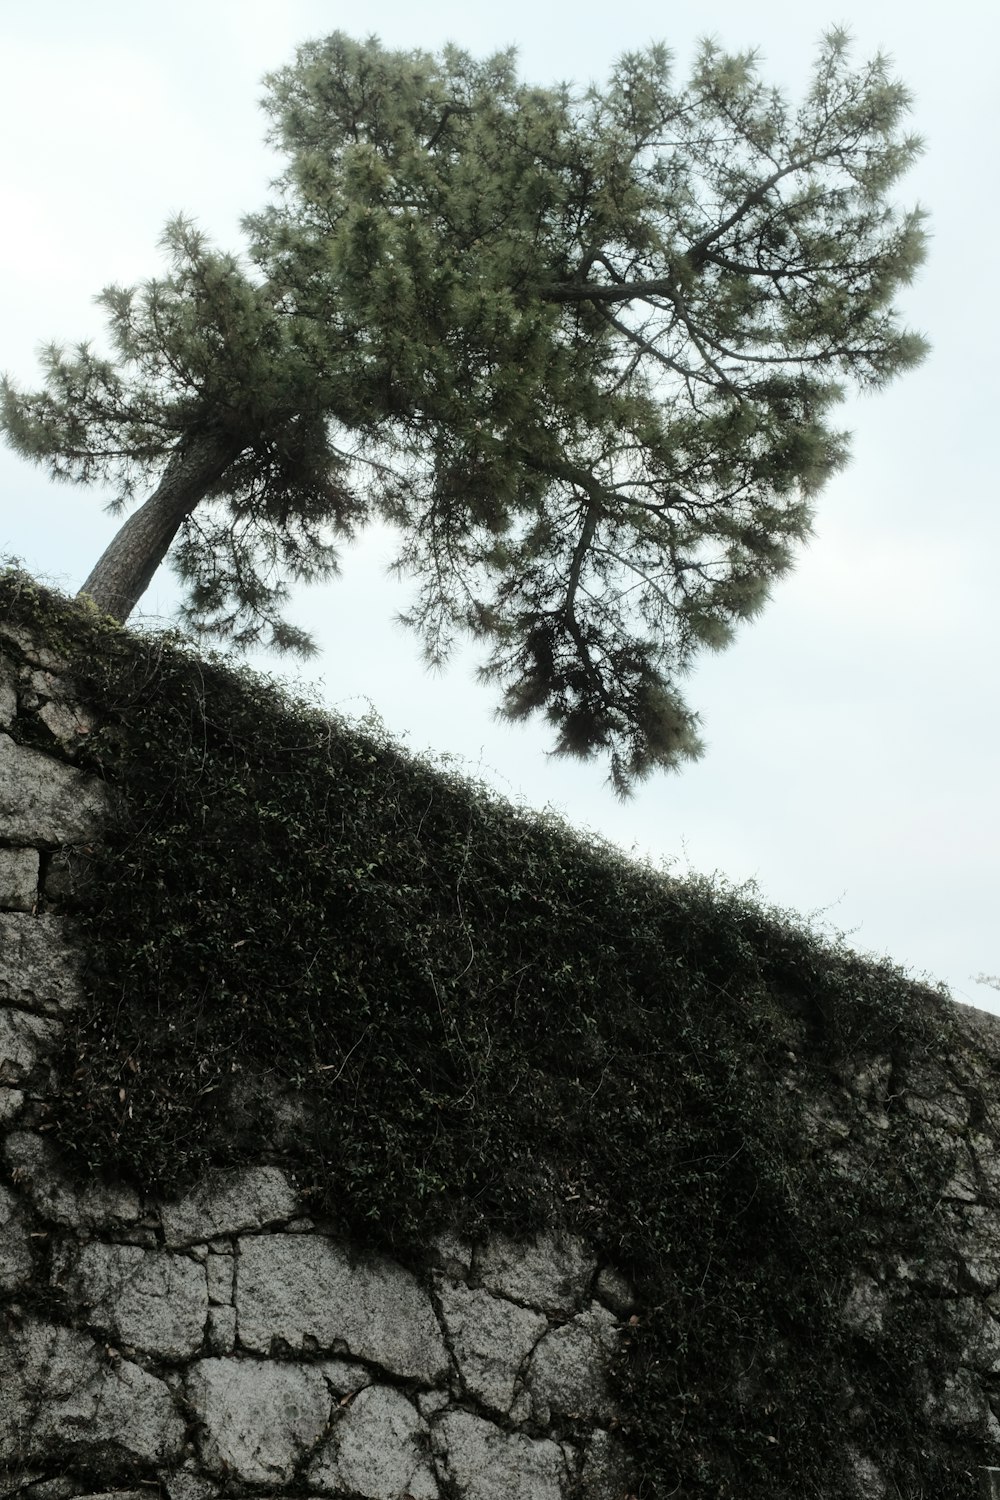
(852, 732)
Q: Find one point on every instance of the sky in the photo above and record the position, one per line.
(851, 731)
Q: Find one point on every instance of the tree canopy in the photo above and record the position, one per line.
(581, 346)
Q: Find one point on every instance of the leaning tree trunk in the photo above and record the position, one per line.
(125, 569)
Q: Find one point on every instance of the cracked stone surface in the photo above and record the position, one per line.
(486, 1463)
(377, 1450)
(307, 1291)
(229, 1203)
(147, 1298)
(93, 1406)
(491, 1340)
(260, 1418)
(43, 801)
(550, 1271)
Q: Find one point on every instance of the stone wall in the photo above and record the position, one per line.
(227, 1344)
(227, 1341)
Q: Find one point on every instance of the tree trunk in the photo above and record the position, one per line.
(125, 570)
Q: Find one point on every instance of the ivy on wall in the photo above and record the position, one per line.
(437, 1009)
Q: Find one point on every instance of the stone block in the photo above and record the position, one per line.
(309, 1293)
(220, 1330)
(957, 1403)
(483, 1462)
(551, 1272)
(44, 801)
(937, 1272)
(53, 699)
(115, 1495)
(18, 879)
(81, 1205)
(452, 1253)
(8, 700)
(615, 1291)
(258, 1419)
(147, 1299)
(187, 1483)
(95, 1409)
(11, 1104)
(491, 1340)
(33, 651)
(978, 1242)
(39, 963)
(229, 1203)
(971, 1319)
(68, 722)
(24, 1041)
(376, 1451)
(987, 1166)
(15, 1248)
(568, 1372)
(867, 1478)
(221, 1271)
(605, 1473)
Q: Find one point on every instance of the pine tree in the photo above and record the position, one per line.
(582, 348)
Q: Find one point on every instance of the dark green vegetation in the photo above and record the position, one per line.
(583, 347)
(484, 1016)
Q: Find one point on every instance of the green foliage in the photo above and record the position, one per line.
(582, 347)
(443, 1010)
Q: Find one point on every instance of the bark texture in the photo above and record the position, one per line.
(126, 567)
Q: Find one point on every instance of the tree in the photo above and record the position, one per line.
(580, 347)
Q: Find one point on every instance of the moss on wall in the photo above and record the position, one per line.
(447, 1010)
